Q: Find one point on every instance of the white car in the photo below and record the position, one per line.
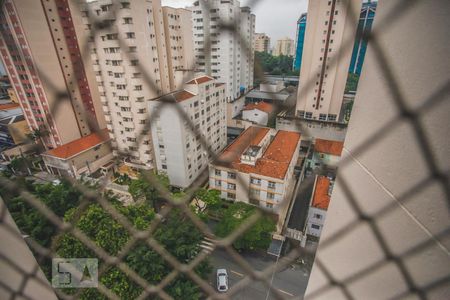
(222, 280)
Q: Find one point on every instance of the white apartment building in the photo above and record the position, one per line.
(132, 64)
(179, 45)
(262, 42)
(330, 25)
(263, 159)
(318, 207)
(284, 46)
(226, 55)
(178, 150)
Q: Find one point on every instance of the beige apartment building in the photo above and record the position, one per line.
(40, 44)
(258, 168)
(179, 45)
(284, 46)
(178, 150)
(137, 57)
(331, 24)
(262, 42)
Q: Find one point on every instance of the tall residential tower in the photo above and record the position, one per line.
(226, 55)
(299, 41)
(262, 42)
(40, 45)
(326, 58)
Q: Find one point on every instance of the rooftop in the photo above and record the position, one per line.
(321, 199)
(80, 145)
(200, 80)
(275, 160)
(262, 106)
(329, 147)
(8, 106)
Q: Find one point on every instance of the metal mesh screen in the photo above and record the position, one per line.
(405, 114)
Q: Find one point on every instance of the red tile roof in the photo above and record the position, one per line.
(77, 146)
(183, 95)
(321, 199)
(329, 147)
(9, 106)
(219, 84)
(200, 80)
(275, 160)
(262, 106)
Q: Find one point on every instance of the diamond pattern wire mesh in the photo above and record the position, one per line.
(146, 236)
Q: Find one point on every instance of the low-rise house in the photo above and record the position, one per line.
(328, 152)
(178, 149)
(80, 157)
(271, 86)
(258, 113)
(319, 205)
(258, 168)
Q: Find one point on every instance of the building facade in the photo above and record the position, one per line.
(13, 127)
(258, 113)
(179, 45)
(284, 46)
(263, 160)
(299, 41)
(40, 44)
(318, 205)
(323, 74)
(178, 149)
(364, 27)
(262, 42)
(226, 55)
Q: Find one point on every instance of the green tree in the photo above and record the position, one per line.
(257, 236)
(141, 188)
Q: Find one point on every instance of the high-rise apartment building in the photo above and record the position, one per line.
(178, 150)
(131, 67)
(284, 46)
(226, 55)
(40, 44)
(364, 27)
(179, 45)
(262, 42)
(299, 41)
(323, 75)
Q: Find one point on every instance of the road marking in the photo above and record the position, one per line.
(237, 273)
(284, 292)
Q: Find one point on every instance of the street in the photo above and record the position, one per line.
(290, 282)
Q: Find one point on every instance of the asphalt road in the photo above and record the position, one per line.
(291, 282)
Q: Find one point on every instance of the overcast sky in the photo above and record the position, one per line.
(277, 18)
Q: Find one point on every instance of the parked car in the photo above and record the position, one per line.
(222, 280)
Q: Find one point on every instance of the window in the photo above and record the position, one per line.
(218, 172)
(254, 192)
(318, 216)
(255, 181)
(270, 195)
(314, 226)
(130, 35)
(271, 185)
(231, 175)
(164, 167)
(231, 195)
(127, 20)
(231, 186)
(269, 205)
(218, 183)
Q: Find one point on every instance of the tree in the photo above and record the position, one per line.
(141, 188)
(210, 197)
(352, 82)
(176, 234)
(257, 237)
(37, 135)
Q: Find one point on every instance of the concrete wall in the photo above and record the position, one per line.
(257, 116)
(390, 181)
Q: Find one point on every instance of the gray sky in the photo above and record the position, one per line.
(277, 18)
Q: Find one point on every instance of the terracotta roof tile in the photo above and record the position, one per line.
(275, 160)
(77, 146)
(262, 106)
(183, 95)
(328, 147)
(9, 106)
(321, 199)
(200, 80)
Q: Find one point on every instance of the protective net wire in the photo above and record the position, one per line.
(187, 269)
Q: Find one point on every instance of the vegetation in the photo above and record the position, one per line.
(142, 189)
(257, 237)
(352, 82)
(274, 65)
